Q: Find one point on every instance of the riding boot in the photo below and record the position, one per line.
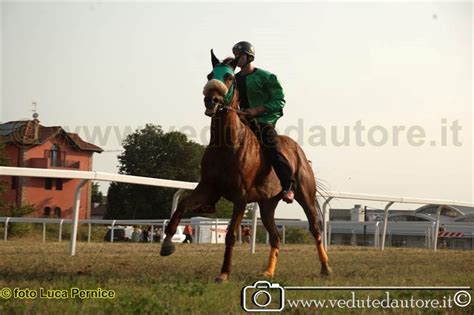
(271, 143)
(288, 195)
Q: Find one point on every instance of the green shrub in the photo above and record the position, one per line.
(19, 229)
(297, 235)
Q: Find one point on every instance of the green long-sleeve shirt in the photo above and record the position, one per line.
(262, 88)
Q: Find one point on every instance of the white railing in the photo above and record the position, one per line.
(354, 229)
(85, 176)
(161, 223)
(390, 201)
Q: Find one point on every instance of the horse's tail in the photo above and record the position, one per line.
(321, 191)
(320, 214)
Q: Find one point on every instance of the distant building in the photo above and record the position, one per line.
(29, 144)
(406, 228)
(99, 209)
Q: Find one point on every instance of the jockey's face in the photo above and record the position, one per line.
(242, 60)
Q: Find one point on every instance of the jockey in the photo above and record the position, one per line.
(262, 97)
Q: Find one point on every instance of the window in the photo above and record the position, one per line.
(59, 184)
(450, 212)
(55, 155)
(14, 182)
(47, 211)
(428, 210)
(445, 211)
(57, 212)
(48, 184)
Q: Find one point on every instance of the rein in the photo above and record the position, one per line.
(227, 107)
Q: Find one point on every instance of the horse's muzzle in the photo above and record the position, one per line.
(210, 111)
(211, 103)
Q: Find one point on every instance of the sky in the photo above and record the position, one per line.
(379, 95)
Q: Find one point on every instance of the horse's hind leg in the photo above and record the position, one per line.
(237, 215)
(306, 198)
(267, 214)
(200, 196)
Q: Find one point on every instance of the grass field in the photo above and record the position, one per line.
(145, 282)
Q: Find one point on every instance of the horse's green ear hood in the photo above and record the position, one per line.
(219, 74)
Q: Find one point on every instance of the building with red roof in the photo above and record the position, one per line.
(30, 144)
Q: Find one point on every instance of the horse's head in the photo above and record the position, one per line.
(219, 89)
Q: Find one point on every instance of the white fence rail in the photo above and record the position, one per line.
(85, 176)
(354, 229)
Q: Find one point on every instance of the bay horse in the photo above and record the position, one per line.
(235, 166)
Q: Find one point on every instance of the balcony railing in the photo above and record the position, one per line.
(53, 164)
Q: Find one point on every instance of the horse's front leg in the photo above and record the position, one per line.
(237, 215)
(199, 197)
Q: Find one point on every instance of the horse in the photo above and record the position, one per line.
(235, 166)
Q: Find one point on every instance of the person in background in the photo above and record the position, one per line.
(136, 235)
(159, 233)
(188, 232)
(145, 235)
(246, 233)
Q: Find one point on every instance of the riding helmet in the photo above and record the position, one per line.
(244, 48)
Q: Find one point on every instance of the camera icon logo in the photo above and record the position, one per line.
(263, 296)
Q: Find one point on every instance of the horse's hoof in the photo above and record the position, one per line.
(268, 275)
(326, 271)
(167, 249)
(223, 277)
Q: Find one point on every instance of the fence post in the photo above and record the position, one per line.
(44, 232)
(164, 225)
(200, 233)
(75, 217)
(329, 235)
(283, 234)
(240, 233)
(195, 227)
(385, 221)
(428, 242)
(174, 203)
(6, 229)
(61, 230)
(377, 234)
(436, 229)
(325, 222)
(112, 231)
(254, 228)
(216, 229)
(151, 234)
(89, 232)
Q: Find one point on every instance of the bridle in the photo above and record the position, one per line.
(224, 103)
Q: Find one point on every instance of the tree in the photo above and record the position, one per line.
(152, 153)
(96, 196)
